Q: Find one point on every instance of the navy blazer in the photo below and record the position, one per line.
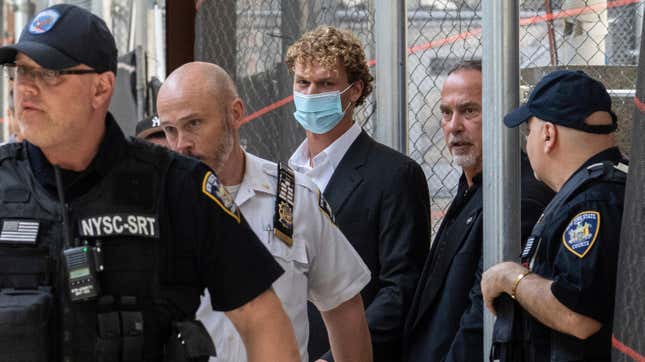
(381, 203)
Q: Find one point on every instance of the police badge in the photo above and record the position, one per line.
(581, 233)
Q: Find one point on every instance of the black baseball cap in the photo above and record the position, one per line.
(148, 126)
(63, 36)
(567, 98)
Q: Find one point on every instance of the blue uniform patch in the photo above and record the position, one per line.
(44, 21)
(581, 233)
(213, 188)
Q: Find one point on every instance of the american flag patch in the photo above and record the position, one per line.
(19, 231)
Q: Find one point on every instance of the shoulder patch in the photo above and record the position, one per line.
(581, 233)
(214, 189)
(325, 207)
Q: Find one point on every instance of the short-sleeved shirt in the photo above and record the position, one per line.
(579, 252)
(214, 245)
(320, 265)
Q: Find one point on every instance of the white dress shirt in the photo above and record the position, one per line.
(327, 160)
(320, 266)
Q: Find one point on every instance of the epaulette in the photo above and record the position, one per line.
(283, 214)
(622, 167)
(608, 171)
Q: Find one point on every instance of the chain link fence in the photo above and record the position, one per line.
(440, 35)
(599, 37)
(121, 14)
(249, 38)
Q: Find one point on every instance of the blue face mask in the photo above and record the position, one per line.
(319, 113)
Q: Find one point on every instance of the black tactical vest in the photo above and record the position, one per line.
(133, 317)
(517, 336)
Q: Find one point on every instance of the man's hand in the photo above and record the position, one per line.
(265, 329)
(535, 296)
(499, 279)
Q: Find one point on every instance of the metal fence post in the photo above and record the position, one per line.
(501, 145)
(391, 73)
(160, 51)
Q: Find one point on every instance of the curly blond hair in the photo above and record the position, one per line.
(326, 46)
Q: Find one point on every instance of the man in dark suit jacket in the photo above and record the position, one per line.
(445, 321)
(379, 197)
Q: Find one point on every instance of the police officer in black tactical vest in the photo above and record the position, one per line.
(105, 242)
(565, 285)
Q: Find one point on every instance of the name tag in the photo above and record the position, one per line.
(119, 224)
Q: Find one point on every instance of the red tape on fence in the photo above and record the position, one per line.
(640, 105)
(465, 35)
(626, 350)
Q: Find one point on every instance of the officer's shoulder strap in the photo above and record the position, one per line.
(624, 168)
(600, 170)
(284, 201)
(609, 171)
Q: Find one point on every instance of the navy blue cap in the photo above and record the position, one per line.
(63, 36)
(148, 126)
(567, 98)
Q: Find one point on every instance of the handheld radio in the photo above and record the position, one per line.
(82, 266)
(82, 263)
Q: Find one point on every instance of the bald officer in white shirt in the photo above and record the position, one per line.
(201, 113)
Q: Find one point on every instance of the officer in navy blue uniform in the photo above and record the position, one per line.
(565, 285)
(105, 242)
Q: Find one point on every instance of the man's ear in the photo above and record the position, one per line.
(237, 111)
(103, 89)
(356, 91)
(550, 136)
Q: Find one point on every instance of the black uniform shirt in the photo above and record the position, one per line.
(219, 252)
(579, 252)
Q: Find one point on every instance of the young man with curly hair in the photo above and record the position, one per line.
(379, 197)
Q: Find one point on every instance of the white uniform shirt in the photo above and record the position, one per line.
(327, 160)
(320, 266)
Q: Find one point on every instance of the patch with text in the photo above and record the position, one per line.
(119, 224)
(581, 233)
